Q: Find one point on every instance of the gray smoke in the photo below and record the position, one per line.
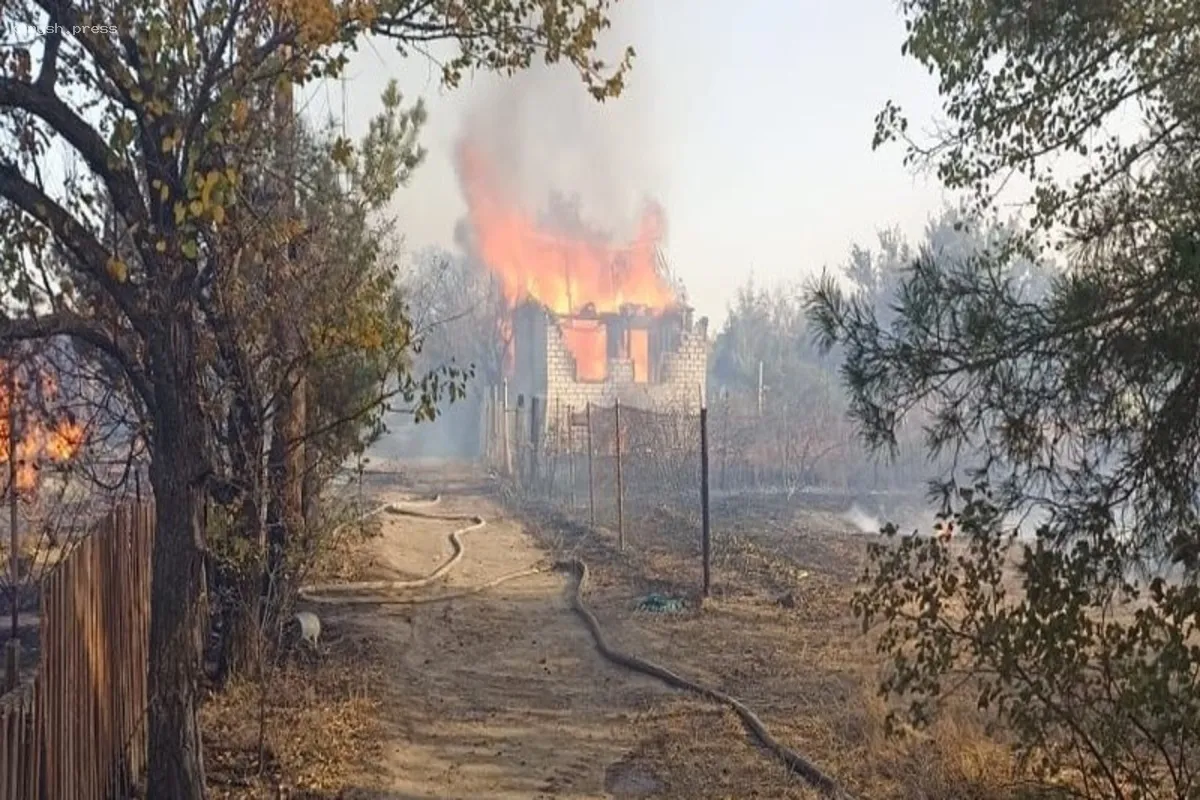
(543, 133)
(862, 521)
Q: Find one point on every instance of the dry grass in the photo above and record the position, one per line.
(322, 724)
(778, 634)
(344, 557)
(321, 730)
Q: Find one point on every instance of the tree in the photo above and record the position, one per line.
(462, 318)
(148, 98)
(876, 276)
(794, 433)
(1072, 391)
(463, 313)
(353, 343)
(762, 326)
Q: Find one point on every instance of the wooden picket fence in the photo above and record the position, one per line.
(77, 731)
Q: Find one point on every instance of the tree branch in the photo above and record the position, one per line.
(89, 332)
(204, 91)
(109, 63)
(101, 160)
(87, 254)
(48, 74)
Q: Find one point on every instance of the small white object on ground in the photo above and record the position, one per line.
(310, 627)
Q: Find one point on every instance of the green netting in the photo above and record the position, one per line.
(661, 604)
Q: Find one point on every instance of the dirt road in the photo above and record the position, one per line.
(498, 695)
(501, 694)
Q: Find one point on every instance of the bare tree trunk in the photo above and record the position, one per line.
(176, 761)
(287, 461)
(311, 485)
(286, 476)
(242, 590)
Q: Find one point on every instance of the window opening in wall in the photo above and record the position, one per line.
(617, 344)
(639, 353)
(587, 342)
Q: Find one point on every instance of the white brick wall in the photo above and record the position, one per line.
(683, 375)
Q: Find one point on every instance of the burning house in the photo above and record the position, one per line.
(647, 358)
(590, 319)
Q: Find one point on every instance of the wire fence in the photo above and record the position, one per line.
(653, 475)
(614, 466)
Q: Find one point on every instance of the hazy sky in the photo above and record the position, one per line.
(753, 129)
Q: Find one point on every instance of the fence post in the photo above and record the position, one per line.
(591, 471)
(535, 442)
(521, 443)
(620, 484)
(504, 427)
(571, 452)
(12, 672)
(787, 449)
(485, 428)
(362, 510)
(725, 447)
(488, 412)
(705, 530)
(760, 388)
(554, 455)
(493, 445)
(555, 443)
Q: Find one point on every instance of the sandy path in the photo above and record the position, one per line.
(499, 695)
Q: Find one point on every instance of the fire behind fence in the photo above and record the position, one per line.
(77, 729)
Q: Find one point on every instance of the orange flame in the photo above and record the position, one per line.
(588, 343)
(57, 442)
(564, 273)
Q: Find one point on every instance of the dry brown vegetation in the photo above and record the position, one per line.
(398, 689)
(778, 634)
(322, 719)
(321, 732)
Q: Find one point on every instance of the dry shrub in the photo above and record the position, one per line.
(954, 758)
(340, 555)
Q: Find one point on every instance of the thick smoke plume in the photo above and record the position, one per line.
(537, 143)
(543, 135)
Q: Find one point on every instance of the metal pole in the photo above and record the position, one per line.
(491, 432)
(706, 531)
(787, 449)
(499, 420)
(521, 442)
(507, 448)
(483, 440)
(760, 388)
(571, 451)
(620, 484)
(725, 446)
(13, 660)
(535, 441)
(558, 445)
(591, 471)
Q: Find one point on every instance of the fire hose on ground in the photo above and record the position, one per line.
(357, 594)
